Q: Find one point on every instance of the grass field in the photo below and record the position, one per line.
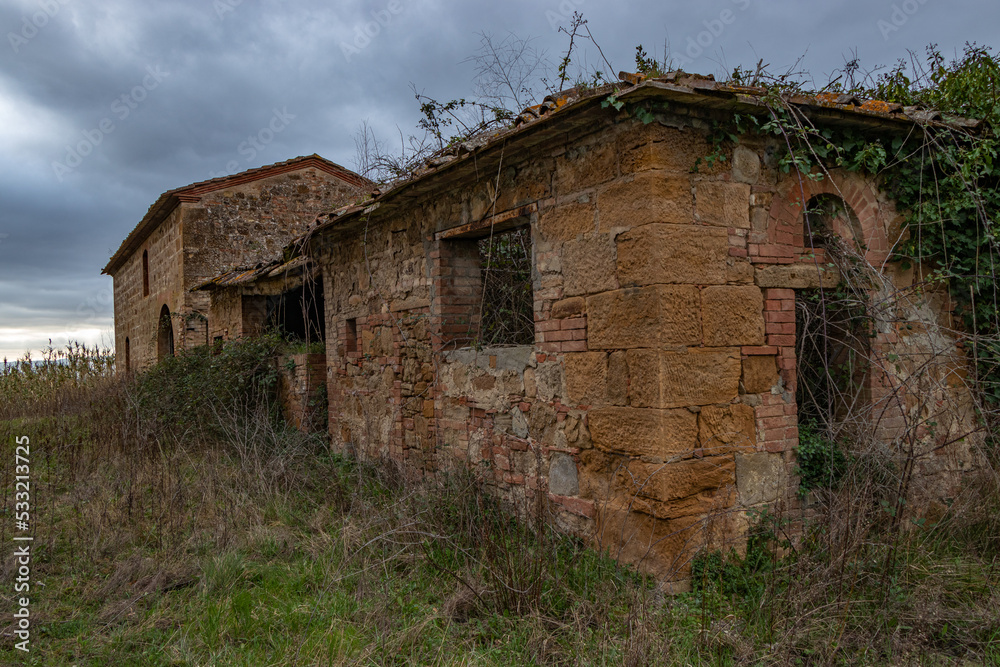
(177, 522)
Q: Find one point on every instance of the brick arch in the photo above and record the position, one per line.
(874, 215)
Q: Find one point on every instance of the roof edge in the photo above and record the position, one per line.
(171, 199)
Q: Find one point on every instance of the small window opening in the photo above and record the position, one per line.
(507, 297)
(145, 273)
(827, 217)
(351, 336)
(128, 356)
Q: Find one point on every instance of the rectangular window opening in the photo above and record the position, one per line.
(145, 273)
(832, 358)
(351, 337)
(507, 307)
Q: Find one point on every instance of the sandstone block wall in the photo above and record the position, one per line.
(137, 316)
(657, 404)
(233, 314)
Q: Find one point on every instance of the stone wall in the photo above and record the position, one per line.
(657, 405)
(301, 385)
(240, 226)
(136, 315)
(229, 228)
(234, 315)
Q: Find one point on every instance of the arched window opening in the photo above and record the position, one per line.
(145, 273)
(827, 217)
(165, 335)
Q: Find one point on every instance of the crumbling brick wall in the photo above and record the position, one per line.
(301, 389)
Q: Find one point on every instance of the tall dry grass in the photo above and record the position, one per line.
(173, 508)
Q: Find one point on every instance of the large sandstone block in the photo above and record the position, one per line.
(586, 377)
(617, 378)
(585, 166)
(653, 146)
(588, 265)
(680, 488)
(732, 315)
(654, 316)
(723, 204)
(796, 276)
(760, 477)
(662, 548)
(562, 223)
(642, 432)
(673, 254)
(760, 373)
(698, 376)
(648, 197)
(725, 427)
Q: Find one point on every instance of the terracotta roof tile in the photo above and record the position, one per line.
(685, 88)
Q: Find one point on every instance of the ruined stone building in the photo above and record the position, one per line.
(195, 232)
(652, 396)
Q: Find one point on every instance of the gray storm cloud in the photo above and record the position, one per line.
(103, 106)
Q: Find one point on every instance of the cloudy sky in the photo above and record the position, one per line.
(106, 104)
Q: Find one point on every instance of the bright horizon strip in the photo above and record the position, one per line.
(15, 342)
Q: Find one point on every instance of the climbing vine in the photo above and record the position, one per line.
(944, 176)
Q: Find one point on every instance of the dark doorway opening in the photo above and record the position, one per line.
(832, 357)
(298, 314)
(164, 335)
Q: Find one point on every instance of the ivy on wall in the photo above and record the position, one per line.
(944, 175)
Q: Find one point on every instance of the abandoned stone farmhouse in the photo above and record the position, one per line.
(193, 233)
(644, 375)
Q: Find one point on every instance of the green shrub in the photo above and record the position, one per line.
(821, 462)
(196, 387)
